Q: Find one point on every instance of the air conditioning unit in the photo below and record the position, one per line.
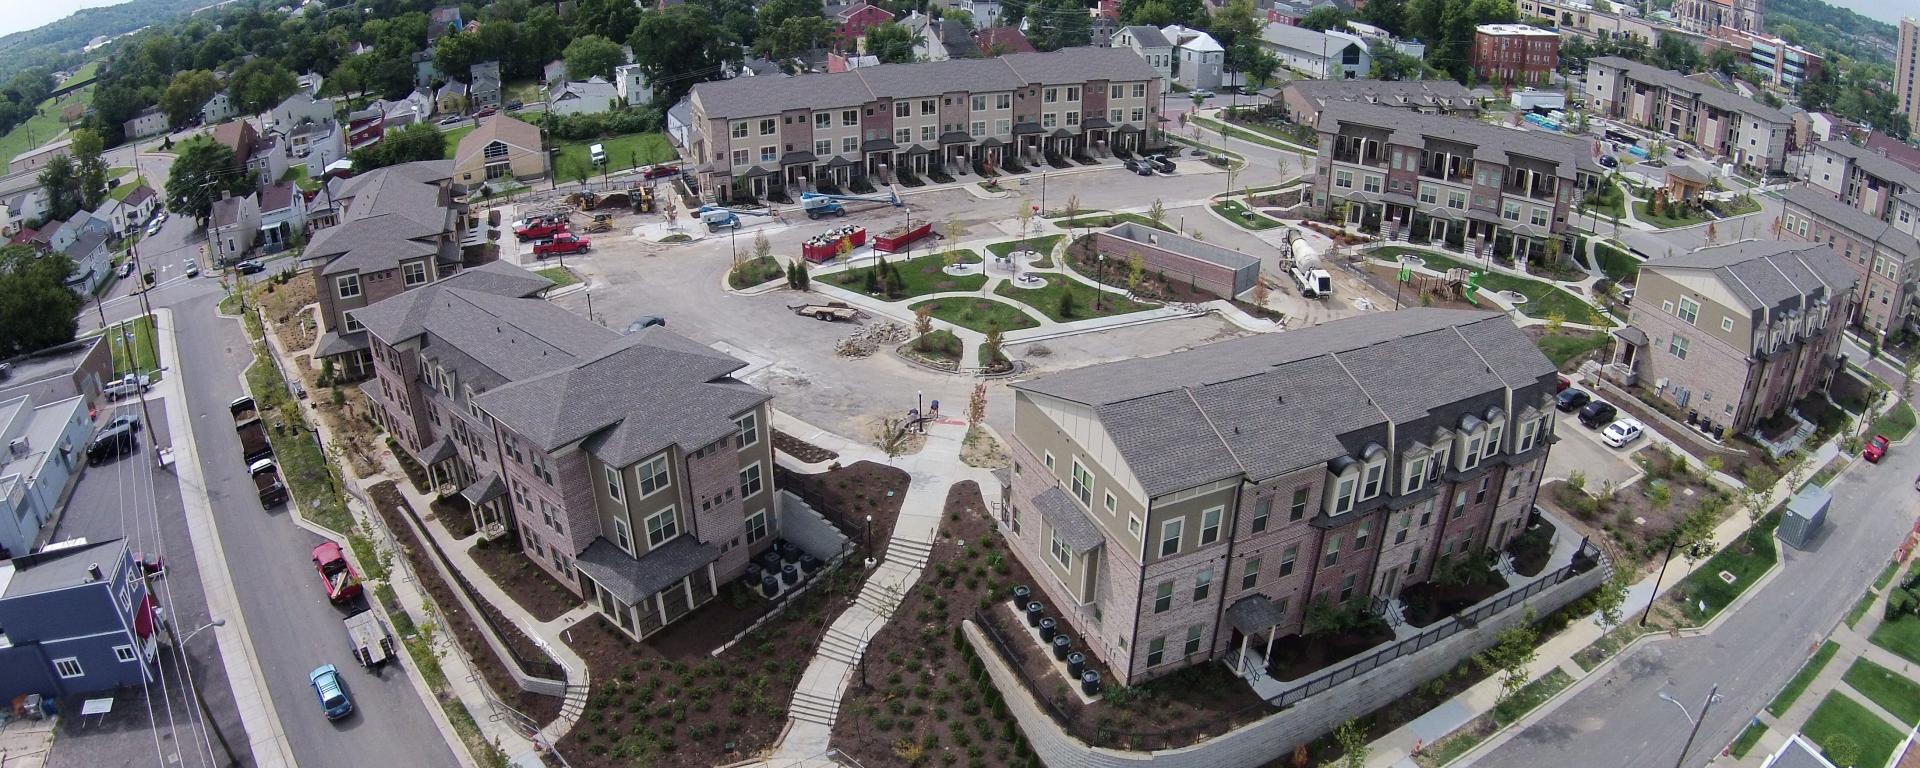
(18, 447)
(1660, 383)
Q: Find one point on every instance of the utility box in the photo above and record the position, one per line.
(1805, 513)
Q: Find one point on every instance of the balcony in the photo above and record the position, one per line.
(1354, 155)
(1447, 168)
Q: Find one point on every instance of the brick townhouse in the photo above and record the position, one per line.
(1191, 506)
(1884, 255)
(1452, 180)
(1723, 124)
(1867, 179)
(1300, 101)
(636, 469)
(755, 137)
(1733, 334)
(400, 228)
(1515, 54)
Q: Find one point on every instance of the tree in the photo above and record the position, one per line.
(203, 170)
(57, 177)
(37, 309)
(1354, 745)
(455, 54)
(188, 92)
(1136, 270)
(1160, 13)
(1513, 649)
(1385, 14)
(592, 56)
(792, 37)
(1324, 18)
(891, 437)
(990, 353)
(1056, 24)
(1025, 214)
(1694, 536)
(1067, 308)
(418, 142)
(1723, 60)
(892, 42)
(260, 85)
(977, 403)
(680, 46)
(89, 170)
(612, 19)
(1676, 53)
(762, 249)
(1158, 212)
(1842, 750)
(1612, 597)
(1260, 67)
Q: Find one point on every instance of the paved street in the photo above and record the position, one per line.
(1617, 719)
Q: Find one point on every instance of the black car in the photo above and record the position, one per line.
(250, 266)
(1140, 167)
(111, 444)
(1597, 414)
(1571, 400)
(127, 420)
(1608, 161)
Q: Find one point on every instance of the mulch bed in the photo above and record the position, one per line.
(454, 513)
(1153, 284)
(801, 450)
(462, 627)
(846, 496)
(1612, 520)
(1531, 549)
(532, 588)
(1297, 656)
(666, 702)
(1430, 601)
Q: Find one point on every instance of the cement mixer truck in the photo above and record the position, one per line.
(1303, 262)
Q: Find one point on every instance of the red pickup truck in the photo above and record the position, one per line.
(534, 229)
(336, 574)
(561, 244)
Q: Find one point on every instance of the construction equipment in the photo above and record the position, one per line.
(1303, 263)
(602, 222)
(818, 204)
(720, 217)
(642, 199)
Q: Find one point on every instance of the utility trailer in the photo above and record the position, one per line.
(372, 643)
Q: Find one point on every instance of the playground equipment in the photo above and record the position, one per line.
(818, 204)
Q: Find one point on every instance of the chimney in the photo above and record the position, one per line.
(93, 572)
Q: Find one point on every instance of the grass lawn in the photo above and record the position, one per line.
(1896, 422)
(979, 314)
(1531, 696)
(1749, 736)
(1102, 221)
(1745, 563)
(524, 91)
(453, 138)
(1739, 206)
(132, 345)
(298, 175)
(1241, 215)
(1886, 575)
(919, 276)
(1608, 200)
(1040, 245)
(623, 152)
(1802, 679)
(1901, 636)
(1860, 608)
(1887, 688)
(305, 470)
(751, 272)
(1643, 210)
(561, 276)
(1569, 344)
(1543, 299)
(1047, 300)
(127, 188)
(1839, 716)
(939, 344)
(1266, 136)
(1619, 265)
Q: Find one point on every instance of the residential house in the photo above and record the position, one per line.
(36, 158)
(1470, 185)
(1152, 46)
(1884, 255)
(139, 206)
(240, 137)
(366, 126)
(24, 198)
(451, 99)
(1734, 334)
(554, 72)
(1514, 54)
(852, 19)
(1198, 59)
(149, 122)
(583, 97)
(501, 147)
(283, 216)
(939, 39)
(1192, 507)
(425, 72)
(233, 227)
(1329, 55)
(218, 109)
(636, 468)
(485, 91)
(316, 145)
(1864, 178)
(74, 621)
(841, 62)
(1721, 123)
(311, 82)
(766, 134)
(1000, 41)
(115, 214)
(1300, 101)
(442, 21)
(298, 109)
(400, 228)
(46, 443)
(630, 83)
(88, 251)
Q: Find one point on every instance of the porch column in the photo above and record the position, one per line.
(1272, 632)
(660, 606)
(686, 585)
(1244, 639)
(473, 511)
(712, 580)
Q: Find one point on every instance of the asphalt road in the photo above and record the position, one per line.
(1619, 719)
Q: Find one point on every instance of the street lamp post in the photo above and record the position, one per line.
(866, 542)
(1656, 581)
(199, 694)
(1101, 278)
(1712, 696)
(920, 408)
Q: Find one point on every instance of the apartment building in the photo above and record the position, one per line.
(1301, 100)
(1722, 124)
(1705, 16)
(636, 469)
(1174, 508)
(1515, 54)
(401, 227)
(1884, 255)
(1467, 184)
(1733, 334)
(1780, 62)
(1906, 70)
(760, 136)
(1864, 178)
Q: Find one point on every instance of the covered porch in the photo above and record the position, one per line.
(644, 594)
(1255, 623)
(487, 505)
(442, 461)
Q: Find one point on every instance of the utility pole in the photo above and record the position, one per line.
(146, 310)
(1656, 581)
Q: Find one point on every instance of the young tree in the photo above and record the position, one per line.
(891, 438)
(37, 309)
(1513, 649)
(761, 248)
(977, 405)
(1612, 597)
(1066, 308)
(1694, 537)
(1352, 739)
(1158, 212)
(990, 350)
(922, 324)
(1025, 215)
(890, 41)
(1136, 270)
(1259, 293)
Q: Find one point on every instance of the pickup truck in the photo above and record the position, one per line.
(561, 245)
(534, 229)
(254, 444)
(266, 479)
(337, 576)
(128, 386)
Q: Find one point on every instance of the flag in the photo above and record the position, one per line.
(1406, 273)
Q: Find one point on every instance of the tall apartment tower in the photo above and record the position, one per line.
(1906, 71)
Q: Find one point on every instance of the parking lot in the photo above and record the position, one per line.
(1580, 450)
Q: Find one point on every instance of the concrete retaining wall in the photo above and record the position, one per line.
(1273, 738)
(807, 529)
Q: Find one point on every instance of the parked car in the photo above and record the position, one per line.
(513, 105)
(1876, 448)
(1597, 414)
(1560, 384)
(337, 576)
(129, 385)
(453, 120)
(250, 267)
(1200, 94)
(1608, 161)
(661, 171)
(1622, 432)
(127, 420)
(1140, 167)
(1161, 163)
(193, 268)
(111, 444)
(126, 269)
(1572, 400)
(561, 244)
(332, 692)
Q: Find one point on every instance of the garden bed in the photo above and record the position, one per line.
(1544, 300)
(528, 584)
(1569, 346)
(454, 514)
(848, 495)
(1104, 220)
(979, 314)
(801, 450)
(908, 278)
(1298, 656)
(1065, 300)
(1430, 601)
(1243, 216)
(1746, 560)
(1152, 284)
(752, 272)
(938, 348)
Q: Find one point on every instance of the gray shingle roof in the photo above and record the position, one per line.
(226, 212)
(60, 568)
(634, 579)
(755, 96)
(1075, 528)
(1862, 224)
(1491, 143)
(1871, 161)
(1254, 614)
(513, 337)
(1767, 273)
(1273, 403)
(1392, 93)
(1147, 36)
(389, 215)
(1671, 80)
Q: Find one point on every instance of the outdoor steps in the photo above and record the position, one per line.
(842, 646)
(909, 552)
(575, 702)
(813, 708)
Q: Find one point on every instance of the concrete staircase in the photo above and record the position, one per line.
(909, 552)
(813, 708)
(842, 646)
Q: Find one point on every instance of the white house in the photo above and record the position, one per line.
(632, 85)
(1198, 59)
(218, 109)
(316, 145)
(299, 108)
(89, 255)
(1330, 55)
(583, 97)
(1152, 46)
(232, 228)
(150, 122)
(283, 214)
(311, 82)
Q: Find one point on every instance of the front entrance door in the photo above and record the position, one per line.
(1389, 584)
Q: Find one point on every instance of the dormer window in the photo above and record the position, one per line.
(1529, 430)
(1343, 496)
(1416, 476)
(1375, 473)
(1496, 427)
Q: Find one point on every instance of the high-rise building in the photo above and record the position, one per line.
(1906, 71)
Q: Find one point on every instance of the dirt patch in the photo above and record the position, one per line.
(1297, 656)
(454, 513)
(1430, 601)
(979, 449)
(666, 702)
(531, 587)
(848, 495)
(1629, 522)
(460, 625)
(801, 450)
(1152, 284)
(285, 303)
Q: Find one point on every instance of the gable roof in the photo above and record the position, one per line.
(499, 127)
(1272, 403)
(514, 337)
(1147, 36)
(139, 196)
(1766, 274)
(755, 96)
(1875, 162)
(277, 196)
(387, 216)
(1438, 92)
(1490, 142)
(1008, 39)
(1671, 80)
(226, 211)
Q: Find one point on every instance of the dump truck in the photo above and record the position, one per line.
(266, 480)
(1303, 263)
(254, 444)
(337, 577)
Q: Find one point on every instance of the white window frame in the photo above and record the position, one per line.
(616, 485)
(1178, 526)
(1134, 526)
(1416, 474)
(1111, 502)
(1375, 479)
(1081, 483)
(658, 478)
(125, 654)
(621, 536)
(667, 530)
(61, 666)
(1061, 551)
(747, 430)
(347, 286)
(1689, 310)
(759, 520)
(758, 480)
(1678, 346)
(1343, 496)
(1210, 531)
(407, 271)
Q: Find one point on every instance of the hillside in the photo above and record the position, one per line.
(59, 43)
(1824, 27)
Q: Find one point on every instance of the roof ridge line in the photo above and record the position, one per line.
(1363, 387)
(1188, 391)
(1483, 358)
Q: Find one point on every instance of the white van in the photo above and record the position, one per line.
(598, 153)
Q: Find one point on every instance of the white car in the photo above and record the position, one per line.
(1622, 432)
